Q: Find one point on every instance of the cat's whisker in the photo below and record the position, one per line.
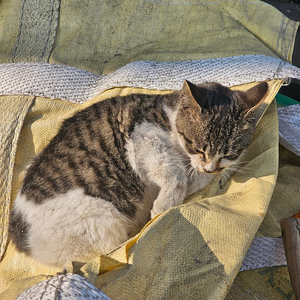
(188, 166)
(243, 165)
(225, 176)
(243, 161)
(190, 170)
(240, 169)
(229, 170)
(245, 171)
(246, 168)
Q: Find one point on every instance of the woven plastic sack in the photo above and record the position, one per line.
(101, 36)
(193, 251)
(238, 208)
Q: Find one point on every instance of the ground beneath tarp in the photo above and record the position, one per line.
(290, 8)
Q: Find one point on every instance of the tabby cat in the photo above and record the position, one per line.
(120, 162)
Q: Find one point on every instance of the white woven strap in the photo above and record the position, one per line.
(289, 127)
(264, 252)
(68, 83)
(64, 286)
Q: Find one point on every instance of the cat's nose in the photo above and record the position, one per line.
(215, 171)
(212, 165)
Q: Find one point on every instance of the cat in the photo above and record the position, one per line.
(118, 163)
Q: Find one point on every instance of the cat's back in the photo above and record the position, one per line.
(89, 150)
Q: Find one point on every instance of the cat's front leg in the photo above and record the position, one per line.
(158, 161)
(170, 195)
(167, 170)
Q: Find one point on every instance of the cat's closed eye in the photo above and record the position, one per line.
(202, 154)
(231, 157)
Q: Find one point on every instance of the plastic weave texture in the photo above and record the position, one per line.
(63, 286)
(206, 251)
(76, 85)
(289, 127)
(263, 252)
(79, 86)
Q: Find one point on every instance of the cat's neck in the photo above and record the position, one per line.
(172, 113)
(171, 107)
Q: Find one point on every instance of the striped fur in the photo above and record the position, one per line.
(119, 162)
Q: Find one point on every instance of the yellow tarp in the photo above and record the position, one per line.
(217, 225)
(100, 36)
(193, 251)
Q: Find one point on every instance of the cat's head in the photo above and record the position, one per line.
(215, 124)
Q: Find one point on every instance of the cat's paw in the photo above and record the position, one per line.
(156, 210)
(153, 214)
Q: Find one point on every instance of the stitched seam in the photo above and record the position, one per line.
(36, 35)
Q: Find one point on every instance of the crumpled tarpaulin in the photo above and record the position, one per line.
(193, 251)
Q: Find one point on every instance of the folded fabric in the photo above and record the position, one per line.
(193, 251)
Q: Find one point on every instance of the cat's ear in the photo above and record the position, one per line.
(192, 95)
(254, 98)
(255, 95)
